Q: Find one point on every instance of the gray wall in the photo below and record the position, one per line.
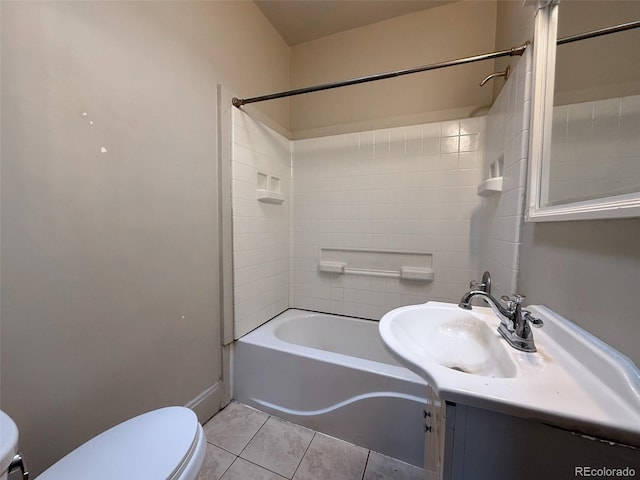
(110, 269)
(589, 272)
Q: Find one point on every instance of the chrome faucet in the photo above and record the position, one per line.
(515, 323)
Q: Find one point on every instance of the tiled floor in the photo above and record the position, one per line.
(246, 444)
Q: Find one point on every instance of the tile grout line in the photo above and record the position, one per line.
(237, 456)
(228, 468)
(222, 448)
(253, 436)
(260, 466)
(366, 463)
(304, 454)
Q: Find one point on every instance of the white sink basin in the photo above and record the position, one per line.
(573, 380)
(453, 338)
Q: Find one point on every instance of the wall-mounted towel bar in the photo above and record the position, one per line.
(373, 273)
(370, 261)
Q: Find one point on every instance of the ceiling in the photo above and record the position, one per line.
(299, 21)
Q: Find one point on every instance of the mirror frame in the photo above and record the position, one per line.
(544, 65)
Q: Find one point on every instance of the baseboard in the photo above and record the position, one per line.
(207, 403)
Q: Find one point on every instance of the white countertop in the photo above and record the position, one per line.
(573, 381)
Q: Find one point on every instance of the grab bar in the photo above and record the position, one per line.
(373, 273)
(407, 273)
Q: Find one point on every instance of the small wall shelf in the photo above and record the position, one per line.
(267, 196)
(268, 190)
(490, 186)
(493, 184)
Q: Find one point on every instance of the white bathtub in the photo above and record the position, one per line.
(333, 374)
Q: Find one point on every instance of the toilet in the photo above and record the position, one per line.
(164, 444)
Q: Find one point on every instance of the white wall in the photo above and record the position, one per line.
(500, 219)
(408, 188)
(260, 230)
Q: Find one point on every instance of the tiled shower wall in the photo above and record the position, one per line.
(501, 216)
(402, 189)
(260, 230)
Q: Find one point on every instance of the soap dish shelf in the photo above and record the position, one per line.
(268, 196)
(490, 186)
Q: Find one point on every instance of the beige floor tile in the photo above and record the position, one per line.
(380, 467)
(279, 446)
(234, 427)
(244, 470)
(216, 462)
(331, 459)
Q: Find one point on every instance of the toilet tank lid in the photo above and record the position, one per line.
(152, 445)
(8, 441)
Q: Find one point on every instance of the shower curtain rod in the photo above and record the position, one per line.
(238, 102)
(598, 33)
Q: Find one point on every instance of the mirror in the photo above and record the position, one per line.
(585, 133)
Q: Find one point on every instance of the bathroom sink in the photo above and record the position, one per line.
(453, 338)
(573, 380)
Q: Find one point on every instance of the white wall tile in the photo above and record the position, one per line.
(261, 231)
(449, 144)
(408, 188)
(469, 143)
(450, 128)
(500, 218)
(395, 191)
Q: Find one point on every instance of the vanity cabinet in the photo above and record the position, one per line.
(469, 443)
(504, 413)
(436, 420)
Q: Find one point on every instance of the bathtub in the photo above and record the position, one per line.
(333, 374)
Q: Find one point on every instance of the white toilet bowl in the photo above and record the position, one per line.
(165, 444)
(8, 443)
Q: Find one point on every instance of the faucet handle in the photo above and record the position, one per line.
(509, 303)
(534, 321)
(513, 301)
(476, 285)
(517, 298)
